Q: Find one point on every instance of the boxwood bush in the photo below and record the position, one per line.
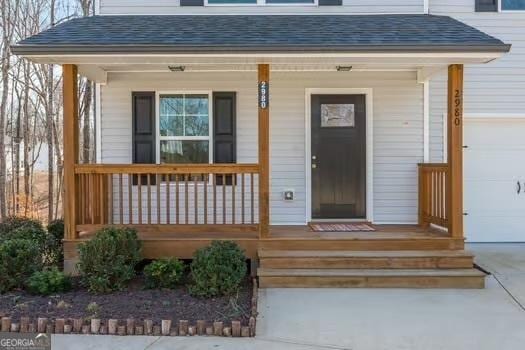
(108, 261)
(50, 241)
(217, 269)
(23, 228)
(19, 259)
(164, 273)
(49, 281)
(11, 223)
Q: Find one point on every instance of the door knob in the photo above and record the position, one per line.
(314, 157)
(314, 166)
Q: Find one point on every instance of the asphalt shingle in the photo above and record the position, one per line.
(176, 33)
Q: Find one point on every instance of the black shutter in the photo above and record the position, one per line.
(224, 130)
(191, 2)
(144, 142)
(330, 2)
(486, 5)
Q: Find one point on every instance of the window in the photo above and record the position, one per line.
(232, 2)
(184, 128)
(512, 5)
(290, 1)
(261, 2)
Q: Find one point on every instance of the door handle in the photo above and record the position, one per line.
(314, 166)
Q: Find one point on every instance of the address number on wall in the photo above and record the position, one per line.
(263, 94)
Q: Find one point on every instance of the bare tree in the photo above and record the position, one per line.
(9, 11)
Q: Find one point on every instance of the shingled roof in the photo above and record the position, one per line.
(260, 33)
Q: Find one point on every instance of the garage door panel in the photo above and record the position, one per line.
(486, 134)
(494, 229)
(493, 164)
(488, 196)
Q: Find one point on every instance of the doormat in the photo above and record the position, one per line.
(342, 227)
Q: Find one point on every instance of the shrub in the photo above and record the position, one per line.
(48, 282)
(54, 246)
(217, 269)
(108, 260)
(23, 228)
(164, 273)
(19, 259)
(50, 242)
(14, 222)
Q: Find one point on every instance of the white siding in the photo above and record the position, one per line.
(398, 125)
(172, 7)
(497, 87)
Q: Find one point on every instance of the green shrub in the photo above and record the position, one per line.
(49, 281)
(50, 242)
(164, 273)
(19, 259)
(54, 246)
(23, 228)
(14, 222)
(217, 269)
(108, 260)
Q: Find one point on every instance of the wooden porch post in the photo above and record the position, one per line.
(70, 134)
(455, 150)
(264, 149)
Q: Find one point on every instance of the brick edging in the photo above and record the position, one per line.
(232, 328)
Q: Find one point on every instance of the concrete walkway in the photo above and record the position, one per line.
(374, 319)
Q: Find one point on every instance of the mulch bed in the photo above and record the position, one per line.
(136, 303)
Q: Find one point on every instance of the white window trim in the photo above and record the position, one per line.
(263, 3)
(500, 9)
(160, 138)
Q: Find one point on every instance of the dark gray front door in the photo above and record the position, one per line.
(338, 156)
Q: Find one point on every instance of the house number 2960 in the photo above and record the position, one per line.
(457, 107)
(263, 94)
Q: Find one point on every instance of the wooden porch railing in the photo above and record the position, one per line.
(174, 198)
(433, 198)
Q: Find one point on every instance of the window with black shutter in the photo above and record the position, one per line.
(486, 5)
(224, 133)
(144, 133)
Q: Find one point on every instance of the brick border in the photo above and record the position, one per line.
(232, 328)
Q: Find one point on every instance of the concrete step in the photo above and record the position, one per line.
(370, 278)
(319, 259)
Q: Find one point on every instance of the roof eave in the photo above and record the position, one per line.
(40, 50)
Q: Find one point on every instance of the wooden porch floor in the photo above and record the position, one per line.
(386, 237)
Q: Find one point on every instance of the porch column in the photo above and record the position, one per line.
(70, 134)
(455, 150)
(264, 149)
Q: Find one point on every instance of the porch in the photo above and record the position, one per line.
(374, 86)
(234, 199)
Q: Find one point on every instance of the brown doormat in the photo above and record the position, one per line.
(357, 227)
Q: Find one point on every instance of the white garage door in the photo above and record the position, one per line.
(494, 172)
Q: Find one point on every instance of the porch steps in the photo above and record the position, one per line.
(368, 269)
(312, 259)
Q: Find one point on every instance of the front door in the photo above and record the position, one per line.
(338, 156)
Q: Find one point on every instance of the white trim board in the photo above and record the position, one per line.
(98, 123)
(368, 92)
(494, 116)
(426, 121)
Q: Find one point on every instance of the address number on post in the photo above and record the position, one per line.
(263, 94)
